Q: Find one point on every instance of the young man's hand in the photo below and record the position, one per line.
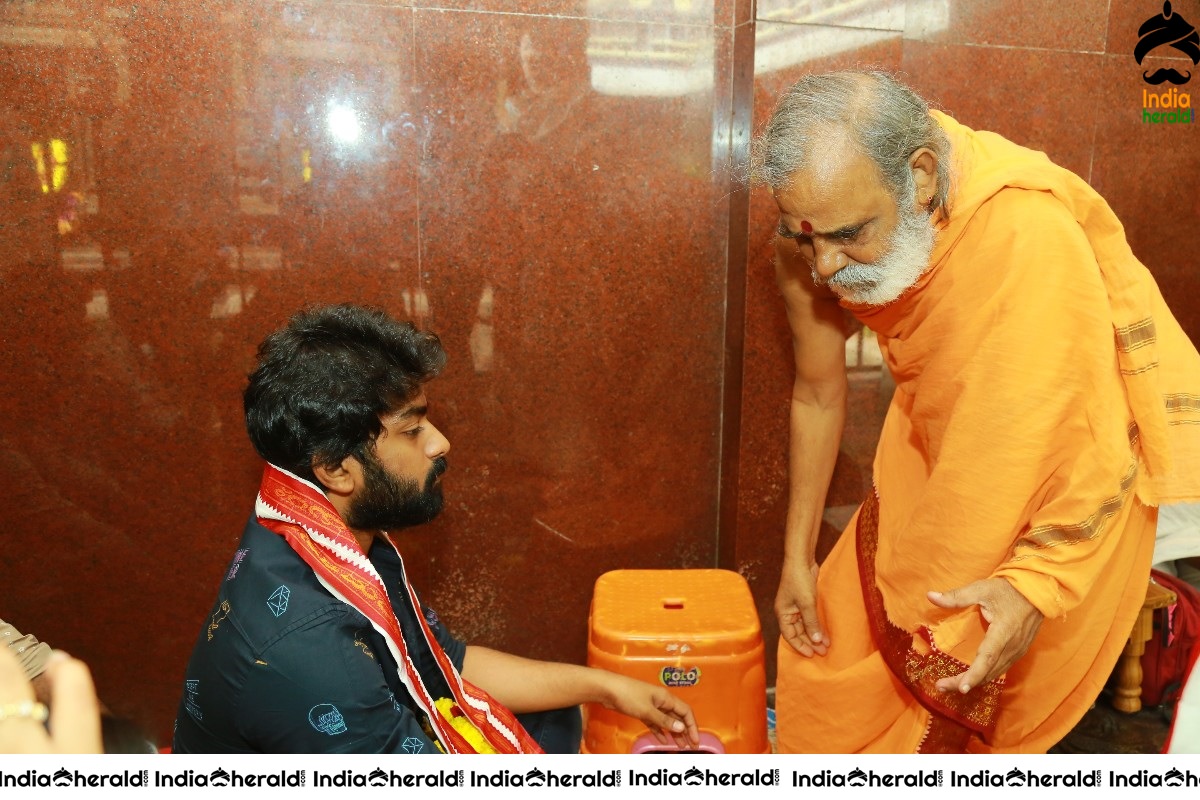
(524, 685)
(668, 718)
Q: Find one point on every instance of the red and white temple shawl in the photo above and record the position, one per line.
(302, 514)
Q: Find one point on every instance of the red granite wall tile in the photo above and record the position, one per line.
(548, 189)
(1042, 99)
(694, 12)
(572, 244)
(878, 15)
(1075, 25)
(539, 189)
(179, 188)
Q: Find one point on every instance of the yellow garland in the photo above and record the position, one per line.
(447, 708)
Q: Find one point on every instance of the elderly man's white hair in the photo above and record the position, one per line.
(886, 120)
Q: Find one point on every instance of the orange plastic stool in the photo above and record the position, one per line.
(695, 631)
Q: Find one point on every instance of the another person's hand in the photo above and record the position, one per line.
(74, 709)
(796, 608)
(668, 718)
(1012, 623)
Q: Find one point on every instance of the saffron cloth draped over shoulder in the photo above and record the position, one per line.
(1046, 400)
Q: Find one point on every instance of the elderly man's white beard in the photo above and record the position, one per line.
(906, 259)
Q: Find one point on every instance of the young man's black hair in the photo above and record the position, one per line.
(323, 381)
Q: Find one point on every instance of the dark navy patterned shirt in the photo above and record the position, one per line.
(282, 666)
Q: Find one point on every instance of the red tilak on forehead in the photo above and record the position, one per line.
(806, 226)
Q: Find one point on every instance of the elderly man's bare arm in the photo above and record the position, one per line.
(818, 413)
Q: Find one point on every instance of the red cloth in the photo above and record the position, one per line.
(304, 517)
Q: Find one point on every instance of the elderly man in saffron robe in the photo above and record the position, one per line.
(1046, 402)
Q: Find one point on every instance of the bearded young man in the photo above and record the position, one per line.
(1046, 401)
(317, 642)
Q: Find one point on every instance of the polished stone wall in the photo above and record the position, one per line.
(552, 186)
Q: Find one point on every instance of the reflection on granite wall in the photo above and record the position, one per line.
(544, 190)
(1055, 76)
(549, 190)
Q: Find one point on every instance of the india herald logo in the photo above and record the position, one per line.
(1167, 29)
(679, 676)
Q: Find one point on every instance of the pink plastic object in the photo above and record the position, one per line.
(648, 744)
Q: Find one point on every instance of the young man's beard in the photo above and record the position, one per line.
(387, 502)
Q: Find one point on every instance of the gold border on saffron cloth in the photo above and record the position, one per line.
(1140, 370)
(954, 717)
(1137, 335)
(1054, 535)
(1182, 404)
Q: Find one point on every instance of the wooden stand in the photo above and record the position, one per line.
(1128, 694)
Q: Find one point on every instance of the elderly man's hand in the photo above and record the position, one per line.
(796, 608)
(1012, 623)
